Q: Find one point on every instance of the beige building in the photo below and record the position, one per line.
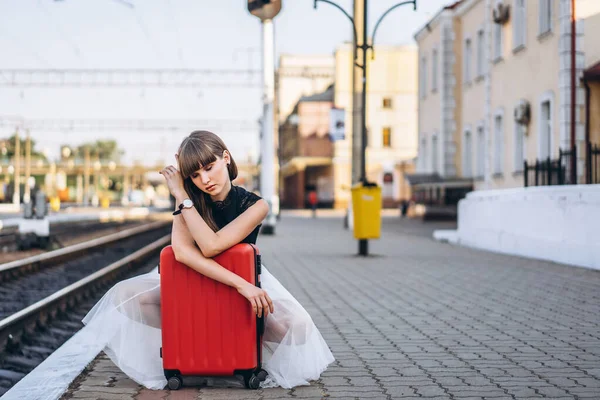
(391, 121)
(494, 88)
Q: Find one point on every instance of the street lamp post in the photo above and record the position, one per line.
(266, 10)
(363, 248)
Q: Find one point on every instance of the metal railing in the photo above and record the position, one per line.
(592, 164)
(550, 172)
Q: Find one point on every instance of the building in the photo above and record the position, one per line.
(297, 76)
(495, 91)
(306, 152)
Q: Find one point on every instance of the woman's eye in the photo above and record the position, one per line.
(194, 176)
(208, 168)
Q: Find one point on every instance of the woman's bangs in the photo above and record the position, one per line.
(193, 156)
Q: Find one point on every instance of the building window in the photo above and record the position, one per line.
(519, 26)
(480, 151)
(545, 16)
(468, 155)
(545, 129)
(519, 146)
(423, 155)
(434, 153)
(480, 52)
(423, 76)
(434, 71)
(467, 61)
(498, 143)
(497, 30)
(387, 136)
(387, 102)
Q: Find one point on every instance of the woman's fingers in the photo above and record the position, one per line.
(269, 303)
(265, 305)
(259, 306)
(256, 305)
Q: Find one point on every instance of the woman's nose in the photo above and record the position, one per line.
(204, 176)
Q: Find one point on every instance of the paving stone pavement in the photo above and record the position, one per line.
(419, 319)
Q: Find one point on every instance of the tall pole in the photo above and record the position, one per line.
(573, 89)
(363, 244)
(86, 176)
(357, 98)
(360, 141)
(27, 195)
(79, 192)
(267, 168)
(365, 48)
(17, 158)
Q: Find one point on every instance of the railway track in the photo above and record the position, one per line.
(59, 233)
(43, 298)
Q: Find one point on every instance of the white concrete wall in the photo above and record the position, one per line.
(556, 223)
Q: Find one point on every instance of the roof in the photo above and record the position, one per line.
(432, 21)
(592, 73)
(417, 178)
(327, 95)
(436, 180)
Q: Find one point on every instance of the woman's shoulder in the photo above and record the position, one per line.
(246, 199)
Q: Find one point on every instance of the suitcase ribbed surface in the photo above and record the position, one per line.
(208, 328)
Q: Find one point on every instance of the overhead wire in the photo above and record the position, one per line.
(59, 31)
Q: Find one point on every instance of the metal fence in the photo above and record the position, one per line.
(550, 172)
(592, 164)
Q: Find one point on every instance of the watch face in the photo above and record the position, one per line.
(187, 203)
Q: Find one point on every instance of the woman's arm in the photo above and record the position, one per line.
(187, 253)
(213, 243)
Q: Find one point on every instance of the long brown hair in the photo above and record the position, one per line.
(199, 149)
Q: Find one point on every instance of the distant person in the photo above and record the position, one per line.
(212, 216)
(312, 199)
(404, 207)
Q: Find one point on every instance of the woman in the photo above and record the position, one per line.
(218, 216)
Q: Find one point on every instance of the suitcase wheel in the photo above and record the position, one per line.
(262, 375)
(174, 383)
(253, 382)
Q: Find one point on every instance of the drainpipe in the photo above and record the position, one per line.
(573, 89)
(588, 161)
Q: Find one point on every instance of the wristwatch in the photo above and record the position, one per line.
(187, 203)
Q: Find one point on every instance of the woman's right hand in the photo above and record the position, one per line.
(258, 298)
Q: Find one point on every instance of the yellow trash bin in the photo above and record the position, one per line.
(105, 202)
(366, 210)
(55, 203)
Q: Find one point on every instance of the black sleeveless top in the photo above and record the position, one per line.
(237, 201)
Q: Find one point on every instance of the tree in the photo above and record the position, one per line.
(7, 147)
(103, 149)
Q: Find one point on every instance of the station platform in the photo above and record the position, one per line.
(417, 319)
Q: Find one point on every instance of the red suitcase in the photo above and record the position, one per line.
(208, 328)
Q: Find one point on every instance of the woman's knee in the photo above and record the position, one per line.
(128, 290)
(301, 326)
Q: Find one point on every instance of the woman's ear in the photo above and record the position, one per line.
(226, 157)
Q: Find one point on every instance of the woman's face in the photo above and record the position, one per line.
(213, 178)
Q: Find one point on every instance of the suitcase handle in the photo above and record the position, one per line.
(261, 325)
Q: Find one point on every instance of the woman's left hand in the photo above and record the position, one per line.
(174, 180)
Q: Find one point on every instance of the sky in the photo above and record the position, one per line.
(156, 34)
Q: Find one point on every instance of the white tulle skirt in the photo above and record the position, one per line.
(127, 319)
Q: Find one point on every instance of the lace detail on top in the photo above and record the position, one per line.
(247, 200)
(221, 204)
